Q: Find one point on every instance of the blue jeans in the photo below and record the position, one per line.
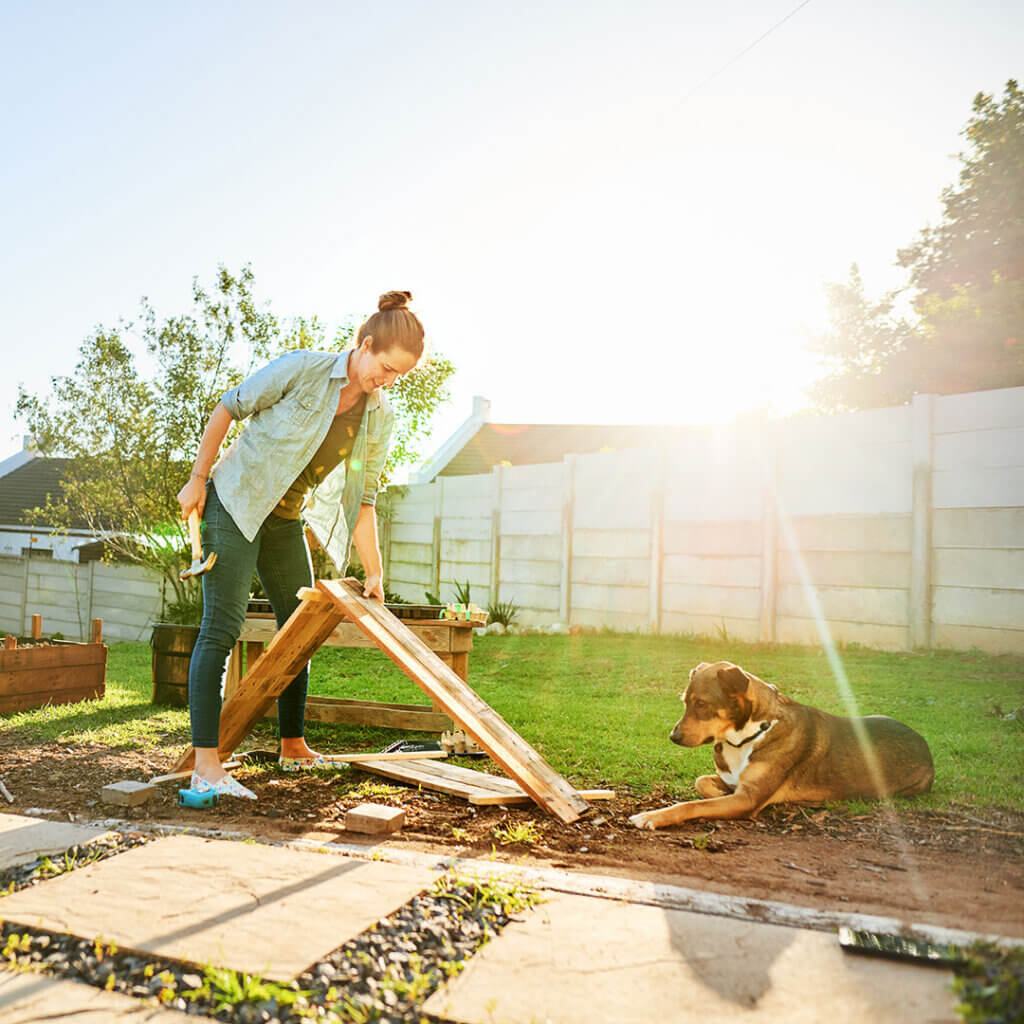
(280, 555)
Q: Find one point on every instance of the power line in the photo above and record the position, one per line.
(732, 60)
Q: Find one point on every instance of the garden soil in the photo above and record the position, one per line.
(958, 868)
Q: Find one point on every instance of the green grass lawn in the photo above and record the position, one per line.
(600, 706)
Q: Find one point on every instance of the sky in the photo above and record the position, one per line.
(606, 212)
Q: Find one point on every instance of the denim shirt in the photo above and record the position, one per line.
(290, 404)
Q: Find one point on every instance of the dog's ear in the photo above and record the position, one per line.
(733, 679)
(734, 682)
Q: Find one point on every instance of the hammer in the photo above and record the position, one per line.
(198, 566)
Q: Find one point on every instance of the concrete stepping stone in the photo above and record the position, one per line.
(35, 997)
(576, 958)
(22, 839)
(260, 909)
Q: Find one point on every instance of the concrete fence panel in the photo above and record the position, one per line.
(895, 527)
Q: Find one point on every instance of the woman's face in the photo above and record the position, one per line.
(382, 369)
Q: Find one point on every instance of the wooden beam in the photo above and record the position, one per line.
(515, 799)
(394, 755)
(341, 711)
(37, 627)
(447, 690)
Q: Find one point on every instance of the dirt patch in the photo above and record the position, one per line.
(957, 868)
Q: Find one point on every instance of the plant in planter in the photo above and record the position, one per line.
(128, 440)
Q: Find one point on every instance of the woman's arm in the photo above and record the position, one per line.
(364, 536)
(193, 494)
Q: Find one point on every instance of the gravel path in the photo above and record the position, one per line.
(385, 974)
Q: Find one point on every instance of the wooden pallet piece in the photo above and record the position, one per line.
(412, 773)
(471, 777)
(291, 648)
(479, 788)
(446, 689)
(343, 711)
(484, 799)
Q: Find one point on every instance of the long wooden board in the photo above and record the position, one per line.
(477, 787)
(448, 691)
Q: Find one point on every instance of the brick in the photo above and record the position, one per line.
(374, 819)
(127, 793)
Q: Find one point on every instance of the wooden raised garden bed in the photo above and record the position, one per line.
(35, 672)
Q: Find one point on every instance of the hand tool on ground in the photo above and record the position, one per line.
(190, 798)
(198, 566)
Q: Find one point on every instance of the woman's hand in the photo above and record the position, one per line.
(374, 587)
(193, 496)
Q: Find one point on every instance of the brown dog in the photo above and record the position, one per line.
(770, 749)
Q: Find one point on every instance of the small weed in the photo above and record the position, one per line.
(520, 833)
(470, 893)
(701, 842)
(370, 790)
(990, 985)
(462, 593)
(226, 988)
(460, 835)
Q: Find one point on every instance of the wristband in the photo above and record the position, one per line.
(199, 475)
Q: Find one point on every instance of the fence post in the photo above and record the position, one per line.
(436, 541)
(27, 558)
(497, 482)
(92, 589)
(568, 514)
(657, 538)
(922, 412)
(769, 532)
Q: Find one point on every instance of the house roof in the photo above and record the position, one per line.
(527, 443)
(27, 487)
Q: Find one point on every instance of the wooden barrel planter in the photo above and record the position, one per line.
(172, 651)
(36, 672)
(172, 646)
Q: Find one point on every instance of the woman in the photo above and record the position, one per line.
(315, 445)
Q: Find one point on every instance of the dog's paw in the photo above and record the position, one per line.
(643, 820)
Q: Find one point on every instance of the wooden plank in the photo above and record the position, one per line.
(395, 755)
(445, 688)
(291, 648)
(471, 777)
(411, 773)
(70, 677)
(334, 710)
(515, 799)
(233, 676)
(24, 701)
(57, 657)
(437, 635)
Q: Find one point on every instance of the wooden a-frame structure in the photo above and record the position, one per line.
(320, 611)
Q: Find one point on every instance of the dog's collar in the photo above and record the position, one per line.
(765, 726)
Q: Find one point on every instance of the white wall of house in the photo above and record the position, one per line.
(60, 546)
(895, 528)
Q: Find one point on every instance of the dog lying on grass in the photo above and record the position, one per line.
(770, 749)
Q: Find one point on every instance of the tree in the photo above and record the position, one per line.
(130, 437)
(861, 350)
(966, 279)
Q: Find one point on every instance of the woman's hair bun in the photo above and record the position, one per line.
(394, 300)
